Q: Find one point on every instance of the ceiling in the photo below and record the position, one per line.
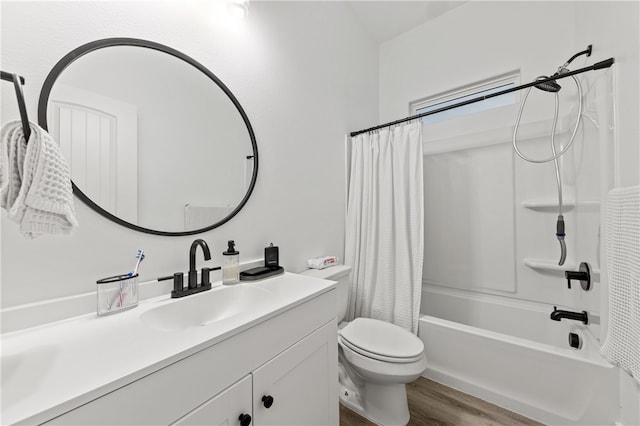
(384, 20)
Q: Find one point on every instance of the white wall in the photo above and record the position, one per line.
(305, 76)
(614, 30)
(471, 43)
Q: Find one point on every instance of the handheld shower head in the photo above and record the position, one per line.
(548, 86)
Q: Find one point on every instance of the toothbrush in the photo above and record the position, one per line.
(123, 290)
(140, 257)
(116, 297)
(120, 295)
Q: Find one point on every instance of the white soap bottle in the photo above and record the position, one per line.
(231, 264)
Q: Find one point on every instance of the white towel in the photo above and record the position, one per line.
(35, 187)
(622, 344)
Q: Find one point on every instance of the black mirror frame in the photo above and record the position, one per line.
(123, 41)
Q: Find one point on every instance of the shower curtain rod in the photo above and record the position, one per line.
(600, 65)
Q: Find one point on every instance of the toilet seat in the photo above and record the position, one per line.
(381, 341)
(378, 357)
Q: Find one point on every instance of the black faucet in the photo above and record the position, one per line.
(193, 286)
(193, 274)
(557, 315)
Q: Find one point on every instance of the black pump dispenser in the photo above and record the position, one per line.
(231, 249)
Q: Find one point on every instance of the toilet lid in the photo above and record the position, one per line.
(380, 339)
(393, 360)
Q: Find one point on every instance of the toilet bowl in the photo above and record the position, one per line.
(385, 358)
(376, 360)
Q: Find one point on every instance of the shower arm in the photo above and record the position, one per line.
(587, 52)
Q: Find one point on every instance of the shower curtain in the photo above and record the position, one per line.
(384, 240)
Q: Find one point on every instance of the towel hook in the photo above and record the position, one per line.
(17, 84)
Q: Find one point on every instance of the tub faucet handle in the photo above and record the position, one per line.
(583, 275)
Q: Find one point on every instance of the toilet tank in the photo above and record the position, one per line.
(341, 274)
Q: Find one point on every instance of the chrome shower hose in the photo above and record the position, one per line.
(555, 156)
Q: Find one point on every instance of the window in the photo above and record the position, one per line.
(464, 94)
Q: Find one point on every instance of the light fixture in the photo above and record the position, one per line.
(238, 8)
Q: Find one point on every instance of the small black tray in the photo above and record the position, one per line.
(260, 273)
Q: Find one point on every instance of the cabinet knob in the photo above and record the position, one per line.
(245, 419)
(267, 401)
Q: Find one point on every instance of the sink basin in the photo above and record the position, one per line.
(206, 308)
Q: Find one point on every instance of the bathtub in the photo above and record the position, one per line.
(550, 384)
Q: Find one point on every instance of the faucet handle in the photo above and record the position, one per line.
(204, 276)
(583, 275)
(178, 284)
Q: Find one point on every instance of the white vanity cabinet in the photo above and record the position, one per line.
(291, 356)
(294, 388)
(297, 387)
(227, 408)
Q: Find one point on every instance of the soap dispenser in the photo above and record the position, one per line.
(231, 264)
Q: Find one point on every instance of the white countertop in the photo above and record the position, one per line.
(50, 369)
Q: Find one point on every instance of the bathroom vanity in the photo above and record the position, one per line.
(250, 354)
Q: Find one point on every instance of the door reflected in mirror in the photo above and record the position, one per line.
(153, 139)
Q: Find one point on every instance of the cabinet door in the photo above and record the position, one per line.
(301, 383)
(223, 409)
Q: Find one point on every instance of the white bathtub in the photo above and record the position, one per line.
(550, 384)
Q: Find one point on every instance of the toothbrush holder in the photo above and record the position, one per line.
(117, 294)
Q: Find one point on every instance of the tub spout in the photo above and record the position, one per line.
(558, 314)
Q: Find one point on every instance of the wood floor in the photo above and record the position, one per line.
(431, 403)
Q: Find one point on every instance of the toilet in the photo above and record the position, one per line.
(376, 359)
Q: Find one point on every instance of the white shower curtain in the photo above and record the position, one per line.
(385, 219)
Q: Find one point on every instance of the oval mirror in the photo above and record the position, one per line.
(154, 140)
